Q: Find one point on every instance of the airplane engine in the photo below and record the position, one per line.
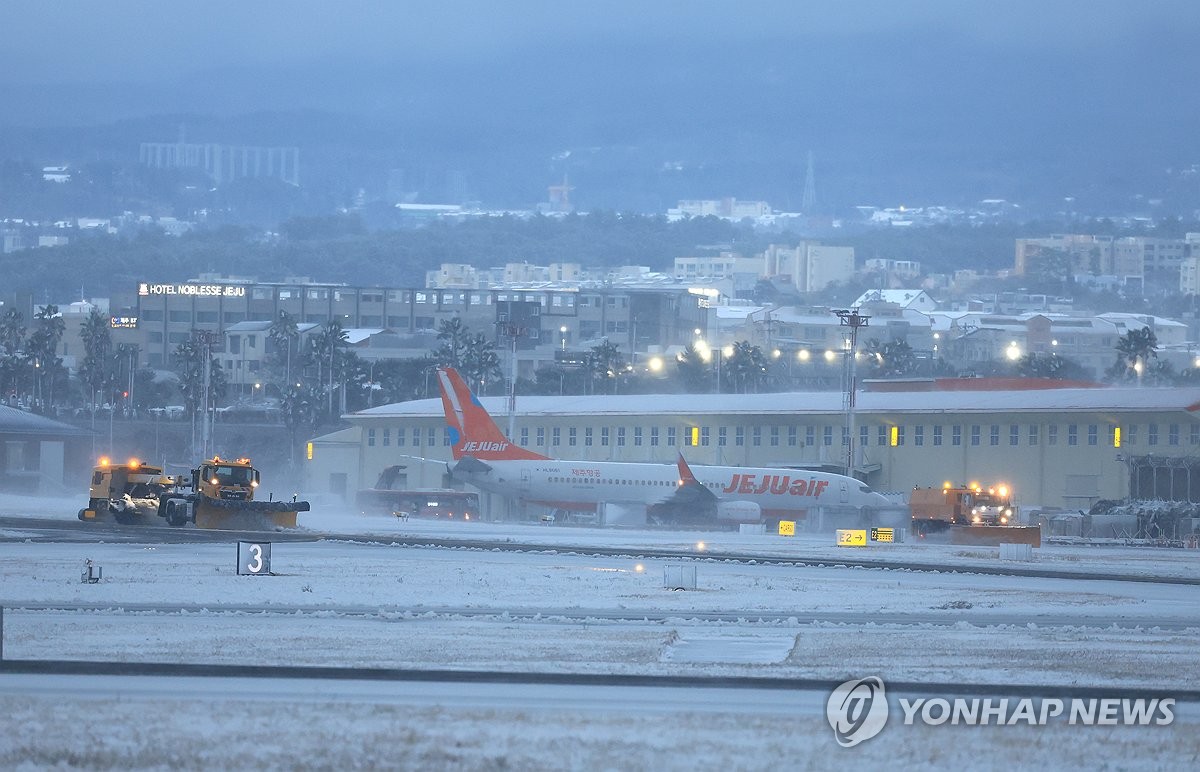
(738, 512)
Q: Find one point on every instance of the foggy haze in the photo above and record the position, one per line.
(919, 100)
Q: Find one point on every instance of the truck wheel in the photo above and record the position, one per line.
(124, 518)
(176, 516)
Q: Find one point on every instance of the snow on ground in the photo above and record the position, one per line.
(133, 733)
(337, 519)
(340, 603)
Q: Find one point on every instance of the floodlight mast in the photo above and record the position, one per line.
(850, 317)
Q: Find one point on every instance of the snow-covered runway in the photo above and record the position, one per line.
(368, 604)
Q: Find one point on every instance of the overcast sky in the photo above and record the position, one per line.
(147, 40)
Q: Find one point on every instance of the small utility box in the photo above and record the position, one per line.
(92, 573)
(254, 558)
(679, 576)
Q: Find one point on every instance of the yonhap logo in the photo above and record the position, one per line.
(857, 710)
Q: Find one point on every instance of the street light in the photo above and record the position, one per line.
(563, 332)
(1013, 352)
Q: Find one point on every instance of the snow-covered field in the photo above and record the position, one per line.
(342, 603)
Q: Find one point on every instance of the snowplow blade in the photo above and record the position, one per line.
(240, 515)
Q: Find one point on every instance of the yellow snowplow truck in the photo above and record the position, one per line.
(219, 494)
(129, 493)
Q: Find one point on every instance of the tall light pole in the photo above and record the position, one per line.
(513, 331)
(854, 320)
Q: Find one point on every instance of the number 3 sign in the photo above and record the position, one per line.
(254, 558)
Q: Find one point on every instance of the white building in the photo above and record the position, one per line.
(1067, 447)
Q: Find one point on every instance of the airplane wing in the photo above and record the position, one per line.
(468, 464)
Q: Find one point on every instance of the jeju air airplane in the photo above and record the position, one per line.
(631, 491)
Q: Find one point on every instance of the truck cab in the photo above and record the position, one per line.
(227, 480)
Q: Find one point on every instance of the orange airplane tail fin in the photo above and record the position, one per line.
(685, 472)
(472, 430)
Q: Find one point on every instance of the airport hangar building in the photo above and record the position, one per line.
(1056, 447)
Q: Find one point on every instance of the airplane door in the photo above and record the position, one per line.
(845, 493)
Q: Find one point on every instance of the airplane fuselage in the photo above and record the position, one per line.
(583, 485)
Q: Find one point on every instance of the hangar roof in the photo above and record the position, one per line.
(825, 402)
(13, 421)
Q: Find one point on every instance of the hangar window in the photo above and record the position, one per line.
(620, 436)
(445, 436)
(1194, 434)
(571, 435)
(864, 436)
(1014, 435)
(794, 435)
(956, 435)
(387, 438)
(400, 436)
(1052, 434)
(654, 436)
(671, 436)
(556, 436)
(774, 436)
(1072, 434)
(1093, 434)
(975, 434)
(541, 436)
(994, 435)
(756, 434)
(1131, 435)
(827, 436)
(1151, 434)
(637, 436)
(919, 435)
(739, 437)
(1033, 434)
(704, 436)
(845, 436)
(1173, 434)
(432, 437)
(587, 436)
(604, 434)
(881, 437)
(937, 435)
(370, 438)
(722, 436)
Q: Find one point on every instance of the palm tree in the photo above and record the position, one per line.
(283, 335)
(12, 351)
(457, 338)
(42, 349)
(12, 331)
(605, 361)
(480, 362)
(746, 367)
(1135, 349)
(95, 371)
(693, 370)
(325, 348)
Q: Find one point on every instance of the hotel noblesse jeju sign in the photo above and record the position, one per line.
(202, 290)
